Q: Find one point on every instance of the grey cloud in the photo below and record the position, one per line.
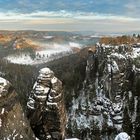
(132, 8)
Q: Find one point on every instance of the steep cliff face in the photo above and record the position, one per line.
(108, 101)
(13, 123)
(46, 110)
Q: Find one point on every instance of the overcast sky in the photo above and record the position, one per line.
(70, 15)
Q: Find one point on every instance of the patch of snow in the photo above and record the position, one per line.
(30, 104)
(42, 97)
(76, 45)
(48, 37)
(39, 87)
(48, 103)
(46, 52)
(49, 137)
(14, 131)
(119, 56)
(82, 121)
(21, 137)
(2, 112)
(112, 66)
(136, 52)
(109, 122)
(109, 68)
(20, 59)
(122, 136)
(0, 122)
(14, 137)
(106, 46)
(54, 80)
(3, 82)
(117, 106)
(117, 118)
(8, 138)
(130, 94)
(115, 67)
(46, 71)
(138, 44)
(96, 35)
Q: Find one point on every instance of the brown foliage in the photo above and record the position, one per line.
(119, 40)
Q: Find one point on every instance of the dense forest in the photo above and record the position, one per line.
(69, 69)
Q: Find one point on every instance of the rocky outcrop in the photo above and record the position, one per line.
(46, 110)
(108, 101)
(92, 65)
(13, 123)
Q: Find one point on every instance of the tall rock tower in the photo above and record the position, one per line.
(46, 110)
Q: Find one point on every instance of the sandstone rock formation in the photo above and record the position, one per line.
(13, 123)
(46, 110)
(108, 101)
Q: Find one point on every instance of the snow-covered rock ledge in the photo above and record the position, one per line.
(4, 85)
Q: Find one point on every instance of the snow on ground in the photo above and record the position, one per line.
(136, 52)
(41, 57)
(46, 52)
(122, 136)
(76, 45)
(82, 121)
(3, 82)
(119, 56)
(20, 59)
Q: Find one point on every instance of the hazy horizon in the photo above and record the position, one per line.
(106, 16)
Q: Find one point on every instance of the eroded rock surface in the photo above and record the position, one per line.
(13, 123)
(46, 110)
(108, 101)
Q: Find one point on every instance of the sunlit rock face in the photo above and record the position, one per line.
(46, 110)
(108, 101)
(13, 123)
